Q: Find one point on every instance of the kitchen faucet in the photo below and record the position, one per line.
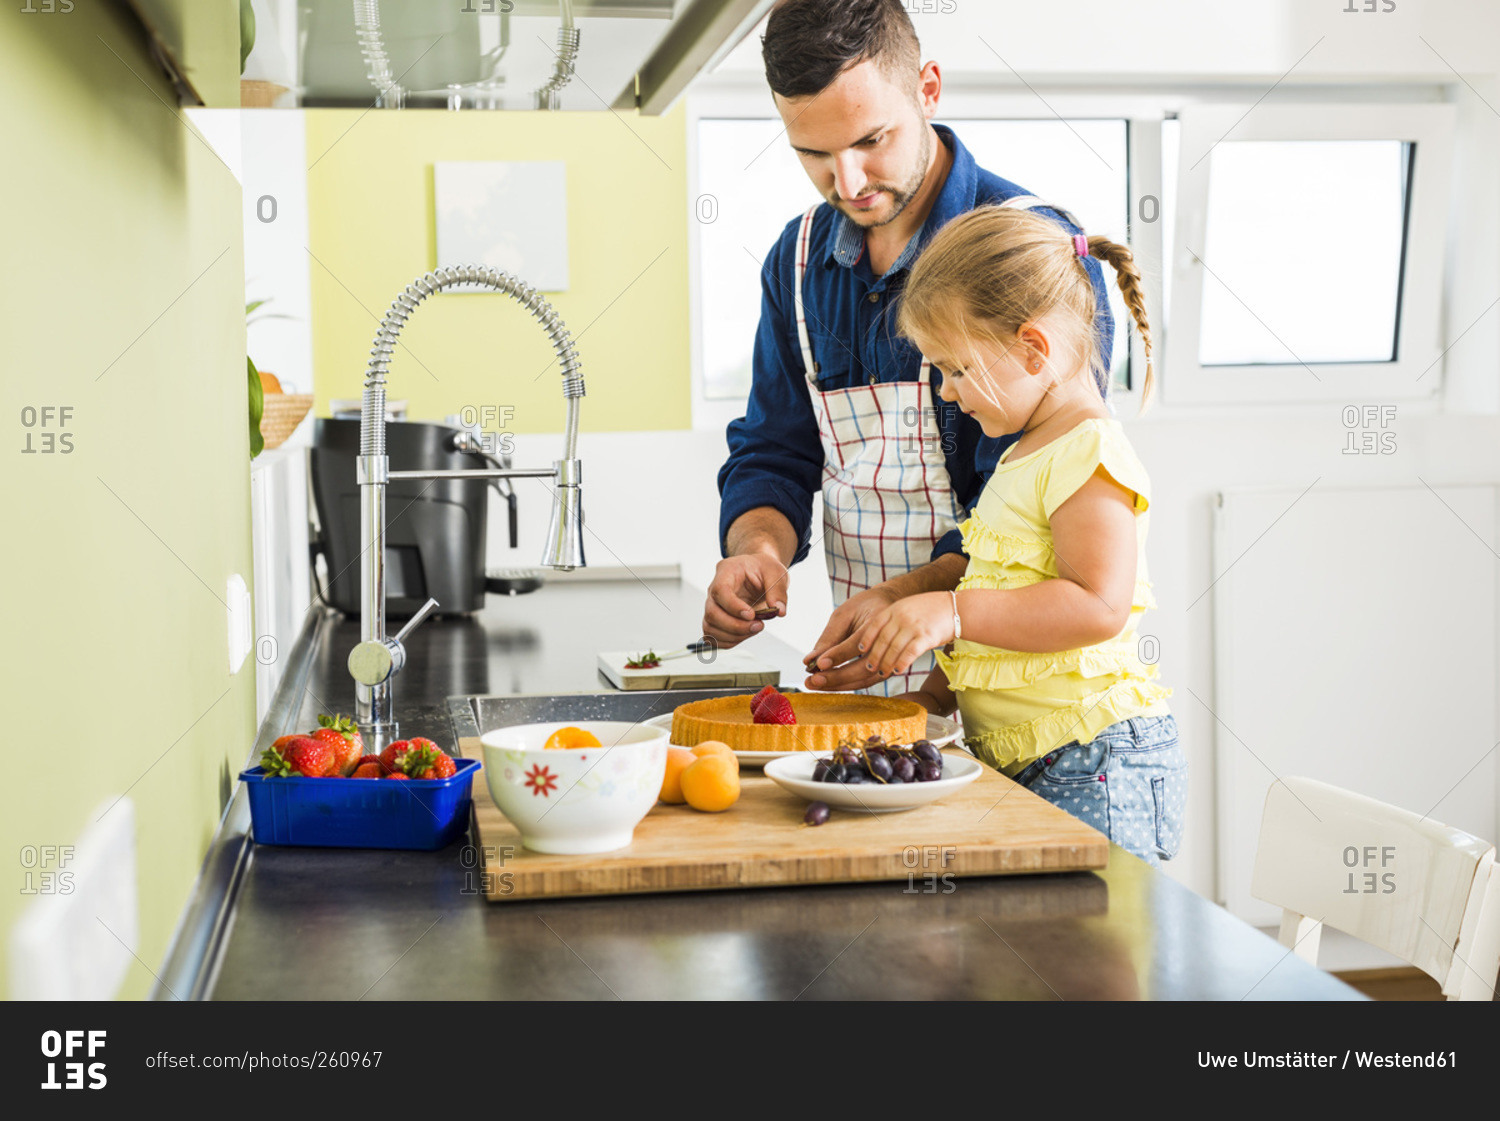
(378, 658)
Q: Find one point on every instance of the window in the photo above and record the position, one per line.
(1333, 289)
(749, 185)
(1308, 252)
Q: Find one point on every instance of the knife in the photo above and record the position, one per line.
(698, 647)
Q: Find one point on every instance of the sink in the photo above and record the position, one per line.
(476, 714)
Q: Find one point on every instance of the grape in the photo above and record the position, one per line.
(928, 771)
(821, 769)
(878, 765)
(903, 769)
(855, 777)
(836, 773)
(817, 813)
(927, 751)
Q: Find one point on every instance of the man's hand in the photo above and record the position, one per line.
(831, 663)
(741, 586)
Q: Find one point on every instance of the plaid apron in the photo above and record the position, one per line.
(887, 498)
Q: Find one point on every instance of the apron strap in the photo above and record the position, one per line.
(804, 237)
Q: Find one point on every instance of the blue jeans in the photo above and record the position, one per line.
(1129, 782)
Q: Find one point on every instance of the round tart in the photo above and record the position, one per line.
(823, 721)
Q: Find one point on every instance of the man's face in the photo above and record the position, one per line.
(865, 141)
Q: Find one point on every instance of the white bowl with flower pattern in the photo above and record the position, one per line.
(575, 800)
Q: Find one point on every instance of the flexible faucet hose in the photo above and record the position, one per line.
(372, 416)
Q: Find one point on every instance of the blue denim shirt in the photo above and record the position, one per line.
(775, 455)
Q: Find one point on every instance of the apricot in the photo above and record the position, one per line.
(678, 759)
(712, 783)
(570, 738)
(717, 747)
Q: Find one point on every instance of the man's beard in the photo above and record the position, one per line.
(901, 196)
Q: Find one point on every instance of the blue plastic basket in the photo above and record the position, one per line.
(360, 813)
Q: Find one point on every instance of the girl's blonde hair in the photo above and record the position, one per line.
(995, 269)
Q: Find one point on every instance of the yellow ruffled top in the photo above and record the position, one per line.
(1017, 706)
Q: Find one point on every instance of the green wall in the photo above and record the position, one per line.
(372, 232)
(123, 289)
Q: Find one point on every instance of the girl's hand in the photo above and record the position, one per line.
(904, 631)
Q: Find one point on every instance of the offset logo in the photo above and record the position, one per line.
(73, 1047)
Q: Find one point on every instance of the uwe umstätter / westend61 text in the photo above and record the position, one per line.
(1360, 1059)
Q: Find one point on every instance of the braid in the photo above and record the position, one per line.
(1129, 279)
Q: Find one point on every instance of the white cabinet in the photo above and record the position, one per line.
(278, 521)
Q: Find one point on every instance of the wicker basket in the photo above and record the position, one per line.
(260, 95)
(283, 412)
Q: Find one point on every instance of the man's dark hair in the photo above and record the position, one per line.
(809, 43)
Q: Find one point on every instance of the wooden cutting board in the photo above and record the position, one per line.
(727, 669)
(992, 827)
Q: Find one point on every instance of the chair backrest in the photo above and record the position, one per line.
(1421, 890)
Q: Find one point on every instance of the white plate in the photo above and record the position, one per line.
(940, 730)
(872, 797)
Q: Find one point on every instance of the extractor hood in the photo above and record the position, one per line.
(488, 54)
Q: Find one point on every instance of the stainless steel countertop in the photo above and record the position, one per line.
(407, 925)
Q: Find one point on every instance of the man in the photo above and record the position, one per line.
(838, 401)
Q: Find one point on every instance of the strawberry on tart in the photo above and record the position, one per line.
(773, 721)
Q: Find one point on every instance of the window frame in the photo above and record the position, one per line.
(1145, 109)
(1419, 326)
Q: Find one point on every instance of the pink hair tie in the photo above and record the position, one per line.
(1081, 244)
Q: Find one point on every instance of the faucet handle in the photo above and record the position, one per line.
(416, 620)
(375, 660)
(371, 662)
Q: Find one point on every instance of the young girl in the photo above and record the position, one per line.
(1041, 650)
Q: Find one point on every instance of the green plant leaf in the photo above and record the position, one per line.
(247, 32)
(255, 305)
(257, 409)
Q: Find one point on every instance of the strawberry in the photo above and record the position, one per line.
(302, 755)
(364, 759)
(397, 774)
(390, 757)
(368, 770)
(774, 709)
(340, 733)
(396, 758)
(761, 698)
(419, 743)
(429, 762)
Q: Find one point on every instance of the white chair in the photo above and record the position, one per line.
(1428, 893)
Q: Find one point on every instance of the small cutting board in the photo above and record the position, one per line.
(992, 827)
(717, 669)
